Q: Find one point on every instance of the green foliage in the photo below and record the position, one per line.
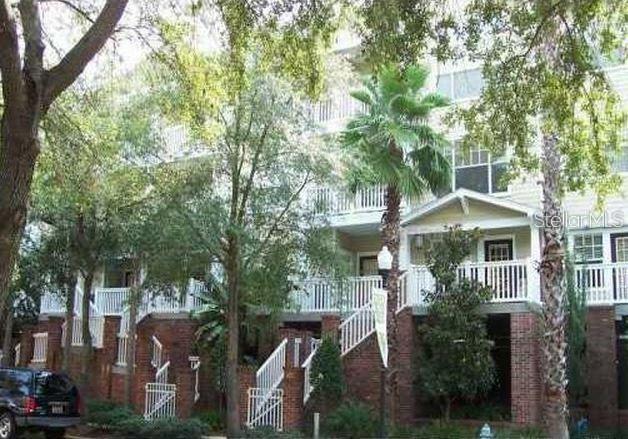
(271, 433)
(454, 431)
(107, 415)
(576, 337)
(455, 362)
(392, 143)
(481, 412)
(353, 420)
(137, 427)
(326, 376)
(543, 59)
(212, 419)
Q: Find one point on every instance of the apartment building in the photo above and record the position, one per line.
(172, 379)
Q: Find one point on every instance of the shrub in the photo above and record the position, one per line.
(351, 420)
(106, 414)
(170, 428)
(327, 377)
(212, 419)
(270, 433)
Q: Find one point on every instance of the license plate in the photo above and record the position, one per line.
(56, 409)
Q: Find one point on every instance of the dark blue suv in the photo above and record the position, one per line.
(37, 400)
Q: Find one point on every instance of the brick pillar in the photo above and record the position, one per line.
(601, 358)
(26, 346)
(330, 324)
(406, 389)
(106, 357)
(293, 398)
(247, 380)
(54, 350)
(525, 378)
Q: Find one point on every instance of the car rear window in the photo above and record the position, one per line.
(15, 382)
(53, 385)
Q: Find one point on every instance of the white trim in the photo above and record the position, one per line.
(469, 225)
(466, 193)
(484, 238)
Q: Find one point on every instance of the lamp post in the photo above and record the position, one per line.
(384, 265)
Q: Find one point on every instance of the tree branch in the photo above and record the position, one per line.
(74, 62)
(33, 44)
(10, 65)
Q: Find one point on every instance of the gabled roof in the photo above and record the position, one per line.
(462, 196)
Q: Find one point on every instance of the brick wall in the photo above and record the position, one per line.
(525, 378)
(362, 368)
(406, 386)
(293, 398)
(601, 359)
(246, 375)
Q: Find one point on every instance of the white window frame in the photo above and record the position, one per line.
(489, 164)
(591, 236)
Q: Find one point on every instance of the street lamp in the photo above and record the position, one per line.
(384, 265)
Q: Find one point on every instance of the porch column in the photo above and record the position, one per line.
(404, 250)
(534, 281)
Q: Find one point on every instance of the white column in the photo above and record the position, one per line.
(534, 284)
(404, 250)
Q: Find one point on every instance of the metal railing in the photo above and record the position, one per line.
(160, 401)
(40, 347)
(96, 329)
(265, 409)
(123, 349)
(307, 370)
(338, 107)
(157, 350)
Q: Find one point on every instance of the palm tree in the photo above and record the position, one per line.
(392, 144)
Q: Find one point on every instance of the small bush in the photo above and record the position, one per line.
(106, 414)
(351, 420)
(270, 433)
(212, 419)
(170, 428)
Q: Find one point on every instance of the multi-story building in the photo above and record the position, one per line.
(170, 378)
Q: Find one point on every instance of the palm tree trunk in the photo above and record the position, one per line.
(7, 342)
(69, 323)
(552, 271)
(390, 236)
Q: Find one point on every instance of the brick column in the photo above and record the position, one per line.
(26, 346)
(406, 389)
(525, 377)
(601, 357)
(330, 323)
(293, 398)
(247, 380)
(106, 357)
(54, 351)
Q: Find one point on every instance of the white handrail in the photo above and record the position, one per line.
(271, 372)
(156, 352)
(332, 295)
(40, 347)
(307, 366)
(265, 408)
(161, 376)
(356, 328)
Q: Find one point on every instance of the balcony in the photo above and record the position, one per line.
(511, 282)
(331, 201)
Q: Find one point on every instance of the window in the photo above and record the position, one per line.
(588, 248)
(620, 161)
(477, 170)
(465, 84)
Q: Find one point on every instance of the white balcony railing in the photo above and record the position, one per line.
(338, 107)
(40, 347)
(327, 200)
(603, 283)
(326, 295)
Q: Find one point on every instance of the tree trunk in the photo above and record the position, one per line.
(552, 271)
(7, 342)
(18, 153)
(233, 325)
(390, 235)
(86, 351)
(134, 302)
(69, 323)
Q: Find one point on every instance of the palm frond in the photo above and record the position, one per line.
(363, 96)
(415, 77)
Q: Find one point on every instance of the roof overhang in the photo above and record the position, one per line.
(463, 196)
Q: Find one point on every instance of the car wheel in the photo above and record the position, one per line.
(55, 433)
(7, 426)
